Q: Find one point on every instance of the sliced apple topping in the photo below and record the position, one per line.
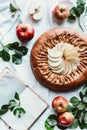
(63, 58)
(36, 10)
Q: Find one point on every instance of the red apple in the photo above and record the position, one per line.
(65, 119)
(60, 104)
(25, 32)
(61, 12)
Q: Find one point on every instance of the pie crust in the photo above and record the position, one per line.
(39, 59)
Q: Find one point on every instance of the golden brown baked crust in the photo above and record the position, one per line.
(39, 60)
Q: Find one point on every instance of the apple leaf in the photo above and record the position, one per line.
(74, 100)
(81, 116)
(85, 118)
(22, 50)
(14, 106)
(84, 90)
(5, 55)
(74, 124)
(81, 106)
(13, 8)
(76, 12)
(16, 59)
(12, 46)
(52, 120)
(48, 127)
(19, 51)
(17, 96)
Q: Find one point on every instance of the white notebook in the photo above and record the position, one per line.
(30, 101)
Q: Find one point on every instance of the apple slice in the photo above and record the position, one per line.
(36, 10)
(54, 53)
(55, 64)
(58, 67)
(39, 14)
(53, 58)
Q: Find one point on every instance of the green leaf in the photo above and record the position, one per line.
(15, 111)
(13, 8)
(79, 2)
(17, 96)
(81, 106)
(81, 95)
(81, 116)
(48, 127)
(69, 108)
(76, 11)
(84, 90)
(18, 53)
(74, 100)
(52, 120)
(71, 19)
(85, 99)
(0, 53)
(74, 124)
(23, 49)
(12, 46)
(5, 55)
(83, 126)
(12, 103)
(21, 110)
(5, 107)
(3, 111)
(80, 10)
(75, 111)
(16, 59)
(85, 118)
(72, 16)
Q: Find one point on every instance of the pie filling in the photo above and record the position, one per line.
(63, 58)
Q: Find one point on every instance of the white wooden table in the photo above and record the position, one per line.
(24, 71)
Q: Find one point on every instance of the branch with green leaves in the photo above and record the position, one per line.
(14, 106)
(76, 12)
(18, 52)
(78, 107)
(14, 8)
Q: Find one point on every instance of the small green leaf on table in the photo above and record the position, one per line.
(5, 55)
(74, 100)
(17, 96)
(14, 106)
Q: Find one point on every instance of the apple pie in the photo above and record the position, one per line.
(59, 59)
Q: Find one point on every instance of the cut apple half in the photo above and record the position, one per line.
(36, 10)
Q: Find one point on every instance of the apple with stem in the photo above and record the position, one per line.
(60, 104)
(25, 32)
(61, 12)
(65, 119)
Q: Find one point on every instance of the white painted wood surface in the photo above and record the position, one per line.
(24, 71)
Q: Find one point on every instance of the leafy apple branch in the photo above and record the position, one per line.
(14, 8)
(14, 106)
(76, 12)
(18, 51)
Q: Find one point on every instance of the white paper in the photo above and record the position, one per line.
(30, 101)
